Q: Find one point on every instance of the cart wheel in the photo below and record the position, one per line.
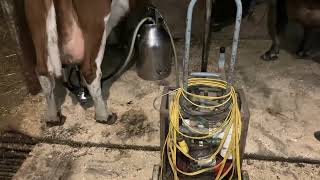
(245, 175)
(156, 172)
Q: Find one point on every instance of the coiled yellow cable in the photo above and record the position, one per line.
(231, 123)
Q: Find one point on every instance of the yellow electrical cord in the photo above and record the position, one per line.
(231, 124)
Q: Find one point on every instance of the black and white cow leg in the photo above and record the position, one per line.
(274, 31)
(54, 116)
(302, 51)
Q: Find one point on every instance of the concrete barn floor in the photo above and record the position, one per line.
(283, 97)
(102, 164)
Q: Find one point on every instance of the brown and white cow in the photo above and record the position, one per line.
(73, 31)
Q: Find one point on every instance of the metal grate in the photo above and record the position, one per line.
(14, 149)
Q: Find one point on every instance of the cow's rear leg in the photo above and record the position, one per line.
(302, 51)
(91, 71)
(42, 25)
(96, 33)
(273, 26)
(102, 114)
(54, 117)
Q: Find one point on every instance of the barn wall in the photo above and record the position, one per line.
(13, 12)
(175, 12)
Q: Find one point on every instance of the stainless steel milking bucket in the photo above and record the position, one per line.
(154, 52)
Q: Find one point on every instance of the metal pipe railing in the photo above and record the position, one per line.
(187, 44)
(235, 42)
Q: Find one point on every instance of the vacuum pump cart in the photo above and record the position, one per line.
(201, 119)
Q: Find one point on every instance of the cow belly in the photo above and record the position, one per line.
(306, 17)
(305, 13)
(312, 19)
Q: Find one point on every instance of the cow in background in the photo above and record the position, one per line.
(304, 12)
(73, 32)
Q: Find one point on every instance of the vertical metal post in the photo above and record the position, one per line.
(235, 42)
(206, 37)
(15, 18)
(187, 44)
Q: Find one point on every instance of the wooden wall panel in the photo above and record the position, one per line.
(15, 18)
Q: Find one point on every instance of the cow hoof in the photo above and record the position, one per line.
(317, 135)
(302, 54)
(111, 119)
(56, 121)
(269, 56)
